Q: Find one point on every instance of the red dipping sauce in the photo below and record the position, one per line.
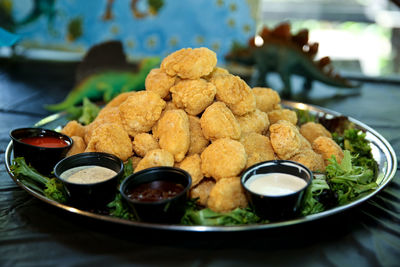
(44, 141)
(155, 191)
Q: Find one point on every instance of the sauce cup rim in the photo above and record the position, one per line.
(125, 182)
(276, 162)
(85, 154)
(64, 136)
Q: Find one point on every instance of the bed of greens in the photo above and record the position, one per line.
(342, 183)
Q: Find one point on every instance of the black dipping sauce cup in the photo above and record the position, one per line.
(93, 195)
(277, 207)
(43, 159)
(168, 210)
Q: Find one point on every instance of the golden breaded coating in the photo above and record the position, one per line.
(173, 133)
(227, 195)
(256, 121)
(118, 100)
(197, 140)
(310, 159)
(192, 164)
(143, 143)
(159, 82)
(194, 96)
(216, 71)
(285, 139)
(223, 158)
(312, 130)
(304, 143)
(266, 99)
(74, 128)
(155, 158)
(258, 148)
(135, 161)
(141, 111)
(218, 121)
(202, 191)
(282, 114)
(111, 138)
(327, 148)
(235, 93)
(78, 146)
(170, 106)
(190, 63)
(106, 115)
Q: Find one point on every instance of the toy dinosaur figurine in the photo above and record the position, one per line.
(277, 50)
(105, 82)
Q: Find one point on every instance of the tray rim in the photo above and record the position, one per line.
(198, 228)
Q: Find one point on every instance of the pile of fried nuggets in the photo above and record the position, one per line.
(199, 117)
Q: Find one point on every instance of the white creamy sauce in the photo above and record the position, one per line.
(275, 184)
(87, 174)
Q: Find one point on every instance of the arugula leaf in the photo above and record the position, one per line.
(118, 208)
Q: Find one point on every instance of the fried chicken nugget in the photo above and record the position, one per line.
(190, 63)
(74, 128)
(235, 93)
(78, 146)
(227, 195)
(282, 114)
(143, 143)
(173, 133)
(197, 140)
(202, 191)
(194, 96)
(155, 158)
(310, 159)
(118, 100)
(266, 99)
(216, 71)
(258, 148)
(192, 164)
(285, 139)
(312, 130)
(141, 111)
(218, 121)
(223, 158)
(159, 82)
(256, 121)
(111, 138)
(326, 147)
(106, 115)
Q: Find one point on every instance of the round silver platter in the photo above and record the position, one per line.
(381, 149)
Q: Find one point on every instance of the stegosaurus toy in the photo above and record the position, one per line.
(277, 50)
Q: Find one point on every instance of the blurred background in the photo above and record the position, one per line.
(362, 37)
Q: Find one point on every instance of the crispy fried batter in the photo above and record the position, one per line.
(327, 148)
(223, 158)
(310, 159)
(74, 128)
(197, 140)
(194, 96)
(118, 100)
(218, 121)
(216, 71)
(235, 93)
(190, 63)
(266, 99)
(258, 148)
(285, 139)
(282, 114)
(192, 164)
(143, 143)
(202, 191)
(111, 138)
(159, 82)
(78, 146)
(173, 133)
(155, 158)
(312, 130)
(256, 121)
(141, 111)
(227, 195)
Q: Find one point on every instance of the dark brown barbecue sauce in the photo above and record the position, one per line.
(155, 191)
